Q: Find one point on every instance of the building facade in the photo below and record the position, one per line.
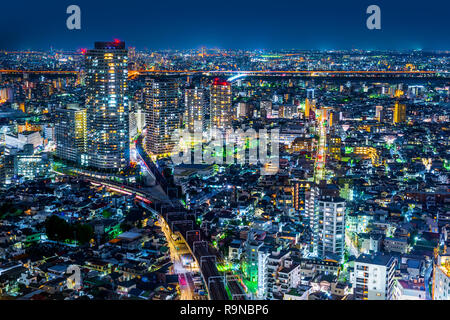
(221, 113)
(441, 281)
(399, 113)
(329, 228)
(162, 115)
(71, 133)
(373, 277)
(107, 105)
(195, 104)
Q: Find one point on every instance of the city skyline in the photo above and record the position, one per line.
(221, 175)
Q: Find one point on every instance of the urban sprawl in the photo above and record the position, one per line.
(356, 205)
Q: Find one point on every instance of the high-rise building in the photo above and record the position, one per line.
(310, 108)
(329, 228)
(107, 106)
(287, 111)
(132, 128)
(330, 119)
(220, 105)
(312, 194)
(265, 107)
(379, 115)
(441, 278)
(162, 115)
(307, 108)
(300, 191)
(373, 277)
(30, 165)
(263, 276)
(71, 133)
(334, 146)
(277, 273)
(243, 110)
(310, 199)
(195, 104)
(399, 113)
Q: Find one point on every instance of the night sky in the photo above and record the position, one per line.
(247, 24)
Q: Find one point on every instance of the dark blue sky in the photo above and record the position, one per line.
(172, 24)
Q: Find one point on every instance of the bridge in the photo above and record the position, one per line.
(150, 165)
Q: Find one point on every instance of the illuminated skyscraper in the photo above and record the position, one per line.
(220, 105)
(307, 108)
(266, 108)
(310, 93)
(107, 106)
(379, 113)
(310, 108)
(399, 113)
(71, 133)
(162, 115)
(195, 103)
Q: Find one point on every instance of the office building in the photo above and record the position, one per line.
(71, 133)
(310, 109)
(399, 113)
(265, 107)
(31, 166)
(379, 113)
(311, 93)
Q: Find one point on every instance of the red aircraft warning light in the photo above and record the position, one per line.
(220, 82)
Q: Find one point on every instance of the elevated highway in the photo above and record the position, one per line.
(178, 224)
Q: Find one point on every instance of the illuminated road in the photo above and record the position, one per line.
(351, 246)
(176, 250)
